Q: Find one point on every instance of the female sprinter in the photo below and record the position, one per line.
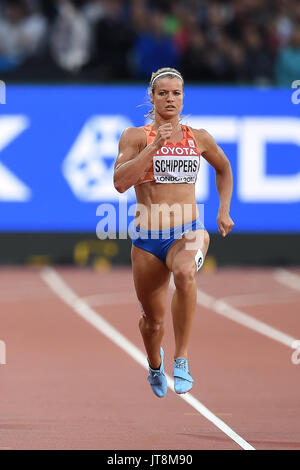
(161, 161)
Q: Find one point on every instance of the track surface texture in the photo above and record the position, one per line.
(75, 375)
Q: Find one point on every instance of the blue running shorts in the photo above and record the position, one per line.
(158, 242)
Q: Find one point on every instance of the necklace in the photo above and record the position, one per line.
(175, 130)
(178, 126)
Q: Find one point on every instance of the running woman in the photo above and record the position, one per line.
(161, 161)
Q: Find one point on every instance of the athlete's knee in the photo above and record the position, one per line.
(184, 275)
(152, 325)
(206, 240)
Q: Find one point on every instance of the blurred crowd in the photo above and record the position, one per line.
(233, 41)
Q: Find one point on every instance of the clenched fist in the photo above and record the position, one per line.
(225, 222)
(163, 134)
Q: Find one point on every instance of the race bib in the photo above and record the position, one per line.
(175, 169)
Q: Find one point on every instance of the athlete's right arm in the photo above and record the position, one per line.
(135, 155)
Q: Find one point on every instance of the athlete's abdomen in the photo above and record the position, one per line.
(165, 205)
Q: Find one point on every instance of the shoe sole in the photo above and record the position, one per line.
(182, 393)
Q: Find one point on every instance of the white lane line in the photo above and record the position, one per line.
(24, 296)
(287, 278)
(109, 299)
(67, 295)
(23, 291)
(261, 298)
(223, 308)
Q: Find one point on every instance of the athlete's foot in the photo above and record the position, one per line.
(183, 381)
(157, 378)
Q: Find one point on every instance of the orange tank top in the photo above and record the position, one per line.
(174, 162)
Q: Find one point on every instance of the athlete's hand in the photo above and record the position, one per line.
(162, 135)
(225, 222)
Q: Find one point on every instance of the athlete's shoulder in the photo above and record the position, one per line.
(133, 135)
(201, 133)
(203, 138)
(133, 132)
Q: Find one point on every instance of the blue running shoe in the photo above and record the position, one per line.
(183, 381)
(158, 379)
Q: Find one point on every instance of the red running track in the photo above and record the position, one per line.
(67, 386)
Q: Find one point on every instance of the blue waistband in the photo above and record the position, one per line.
(172, 232)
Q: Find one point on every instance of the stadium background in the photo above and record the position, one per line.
(75, 74)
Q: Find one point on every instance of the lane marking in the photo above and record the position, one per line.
(261, 298)
(223, 308)
(17, 296)
(108, 299)
(287, 278)
(67, 295)
(27, 289)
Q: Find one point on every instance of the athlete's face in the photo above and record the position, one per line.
(168, 97)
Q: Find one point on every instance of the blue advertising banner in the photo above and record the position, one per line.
(58, 145)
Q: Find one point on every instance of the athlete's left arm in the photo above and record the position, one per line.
(217, 158)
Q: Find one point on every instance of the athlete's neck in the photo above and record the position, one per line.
(159, 121)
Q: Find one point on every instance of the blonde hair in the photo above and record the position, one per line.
(164, 72)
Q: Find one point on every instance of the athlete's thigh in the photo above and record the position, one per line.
(151, 280)
(183, 251)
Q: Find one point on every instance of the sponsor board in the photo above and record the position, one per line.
(58, 145)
